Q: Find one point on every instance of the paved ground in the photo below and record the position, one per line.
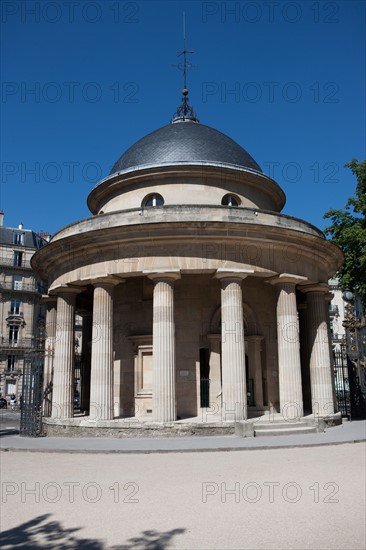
(294, 497)
(289, 498)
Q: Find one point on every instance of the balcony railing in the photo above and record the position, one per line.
(15, 372)
(24, 287)
(15, 314)
(21, 343)
(17, 264)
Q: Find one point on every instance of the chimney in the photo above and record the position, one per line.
(20, 226)
(46, 236)
(1, 218)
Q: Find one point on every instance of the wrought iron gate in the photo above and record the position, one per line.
(349, 386)
(341, 382)
(32, 395)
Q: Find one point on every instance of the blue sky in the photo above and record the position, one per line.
(82, 81)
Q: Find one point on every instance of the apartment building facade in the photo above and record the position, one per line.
(22, 314)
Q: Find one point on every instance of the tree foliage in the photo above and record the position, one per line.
(348, 231)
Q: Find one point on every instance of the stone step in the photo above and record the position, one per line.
(279, 425)
(285, 431)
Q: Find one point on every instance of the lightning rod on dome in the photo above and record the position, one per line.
(184, 112)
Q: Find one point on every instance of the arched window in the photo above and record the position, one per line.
(153, 200)
(230, 200)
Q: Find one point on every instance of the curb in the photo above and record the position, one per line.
(169, 451)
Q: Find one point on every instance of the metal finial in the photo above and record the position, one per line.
(184, 111)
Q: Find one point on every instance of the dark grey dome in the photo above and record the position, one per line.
(184, 142)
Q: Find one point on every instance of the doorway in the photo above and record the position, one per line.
(205, 377)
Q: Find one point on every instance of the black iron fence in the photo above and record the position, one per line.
(350, 385)
(341, 382)
(32, 395)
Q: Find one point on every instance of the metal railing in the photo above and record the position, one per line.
(15, 314)
(24, 287)
(16, 263)
(16, 372)
(24, 343)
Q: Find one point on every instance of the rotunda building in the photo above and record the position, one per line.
(198, 297)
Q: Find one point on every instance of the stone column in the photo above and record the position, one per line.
(163, 386)
(234, 394)
(288, 341)
(50, 335)
(101, 378)
(63, 376)
(320, 361)
(328, 297)
(255, 365)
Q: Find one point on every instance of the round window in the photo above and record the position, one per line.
(153, 200)
(230, 200)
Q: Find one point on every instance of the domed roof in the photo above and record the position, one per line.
(185, 141)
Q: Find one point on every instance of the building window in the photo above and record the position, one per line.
(17, 282)
(13, 333)
(153, 200)
(230, 200)
(10, 387)
(17, 258)
(11, 363)
(15, 307)
(19, 239)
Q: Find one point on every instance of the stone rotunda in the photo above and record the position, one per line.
(199, 299)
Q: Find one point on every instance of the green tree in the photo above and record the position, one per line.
(348, 231)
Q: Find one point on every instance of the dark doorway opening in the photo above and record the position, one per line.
(249, 384)
(205, 377)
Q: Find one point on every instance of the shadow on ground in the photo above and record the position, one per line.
(9, 431)
(43, 532)
(151, 540)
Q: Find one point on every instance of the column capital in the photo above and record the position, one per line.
(283, 278)
(234, 274)
(317, 287)
(163, 275)
(46, 298)
(112, 280)
(66, 289)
